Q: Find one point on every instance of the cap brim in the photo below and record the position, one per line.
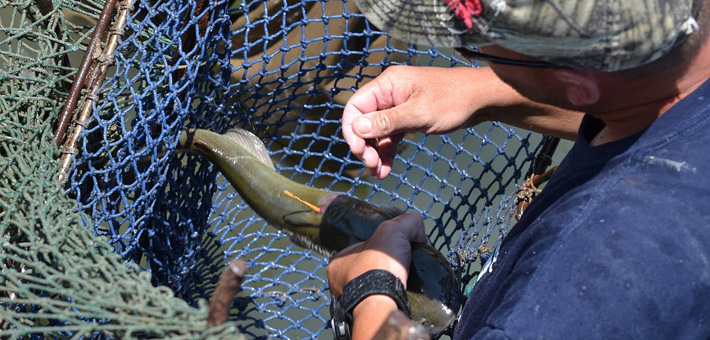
(422, 22)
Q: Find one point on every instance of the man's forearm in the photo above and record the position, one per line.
(370, 314)
(506, 105)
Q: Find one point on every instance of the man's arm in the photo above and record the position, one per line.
(439, 100)
(388, 249)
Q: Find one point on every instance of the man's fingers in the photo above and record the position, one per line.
(376, 154)
(356, 143)
(409, 225)
(379, 154)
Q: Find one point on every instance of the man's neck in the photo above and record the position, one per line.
(636, 105)
(627, 121)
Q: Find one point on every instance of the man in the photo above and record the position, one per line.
(618, 244)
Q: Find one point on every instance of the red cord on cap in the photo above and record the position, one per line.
(465, 10)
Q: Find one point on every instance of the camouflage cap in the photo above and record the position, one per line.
(604, 35)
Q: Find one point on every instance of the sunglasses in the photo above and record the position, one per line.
(471, 55)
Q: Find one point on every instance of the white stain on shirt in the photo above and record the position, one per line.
(675, 165)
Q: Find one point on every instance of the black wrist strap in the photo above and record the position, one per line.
(372, 282)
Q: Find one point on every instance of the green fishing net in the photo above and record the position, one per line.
(57, 278)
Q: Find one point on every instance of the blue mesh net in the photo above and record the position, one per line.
(282, 69)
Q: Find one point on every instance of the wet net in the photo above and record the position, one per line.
(107, 232)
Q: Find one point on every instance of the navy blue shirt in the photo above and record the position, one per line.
(617, 246)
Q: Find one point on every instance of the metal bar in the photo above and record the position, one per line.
(105, 59)
(544, 157)
(83, 72)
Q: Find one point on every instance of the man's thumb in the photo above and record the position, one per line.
(379, 124)
(363, 127)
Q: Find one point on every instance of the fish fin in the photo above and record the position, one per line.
(252, 143)
(307, 243)
(300, 219)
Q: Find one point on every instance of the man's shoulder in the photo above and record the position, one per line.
(604, 259)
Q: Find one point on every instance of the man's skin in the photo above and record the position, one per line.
(406, 98)
(626, 106)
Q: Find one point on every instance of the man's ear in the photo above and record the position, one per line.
(581, 86)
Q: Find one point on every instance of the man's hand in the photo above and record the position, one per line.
(389, 249)
(402, 99)
(436, 100)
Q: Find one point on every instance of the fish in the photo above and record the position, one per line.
(399, 327)
(322, 220)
